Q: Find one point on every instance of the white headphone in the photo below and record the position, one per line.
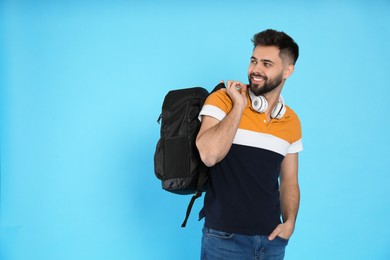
(260, 104)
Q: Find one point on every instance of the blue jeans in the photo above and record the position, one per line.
(228, 246)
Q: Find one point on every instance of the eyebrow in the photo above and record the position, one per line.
(263, 60)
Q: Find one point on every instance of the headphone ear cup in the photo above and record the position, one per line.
(259, 104)
(279, 110)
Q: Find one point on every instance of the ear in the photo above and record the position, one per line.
(288, 70)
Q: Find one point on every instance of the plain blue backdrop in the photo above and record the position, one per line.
(82, 84)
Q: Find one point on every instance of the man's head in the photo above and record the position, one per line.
(288, 49)
(272, 61)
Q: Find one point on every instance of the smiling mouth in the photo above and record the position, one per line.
(258, 78)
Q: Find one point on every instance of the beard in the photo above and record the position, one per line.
(269, 84)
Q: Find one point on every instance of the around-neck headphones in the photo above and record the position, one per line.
(260, 104)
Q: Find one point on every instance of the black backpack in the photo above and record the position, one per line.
(176, 160)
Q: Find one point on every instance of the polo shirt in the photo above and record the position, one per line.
(242, 194)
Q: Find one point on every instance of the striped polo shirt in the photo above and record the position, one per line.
(243, 191)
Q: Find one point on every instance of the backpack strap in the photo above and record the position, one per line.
(203, 176)
(218, 87)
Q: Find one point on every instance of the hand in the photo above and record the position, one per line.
(237, 92)
(284, 230)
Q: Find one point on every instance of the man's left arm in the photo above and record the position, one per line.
(289, 196)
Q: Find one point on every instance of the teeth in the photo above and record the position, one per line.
(257, 79)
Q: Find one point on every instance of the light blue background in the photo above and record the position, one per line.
(82, 84)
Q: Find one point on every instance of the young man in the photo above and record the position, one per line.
(251, 140)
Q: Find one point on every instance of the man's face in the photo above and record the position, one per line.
(265, 72)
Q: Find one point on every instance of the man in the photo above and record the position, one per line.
(251, 140)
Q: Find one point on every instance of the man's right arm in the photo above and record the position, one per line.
(216, 137)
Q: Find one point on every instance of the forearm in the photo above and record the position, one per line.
(215, 142)
(289, 200)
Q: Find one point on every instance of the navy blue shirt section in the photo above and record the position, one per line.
(243, 192)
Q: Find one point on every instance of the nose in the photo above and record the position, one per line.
(255, 68)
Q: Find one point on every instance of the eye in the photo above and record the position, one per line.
(253, 61)
(267, 64)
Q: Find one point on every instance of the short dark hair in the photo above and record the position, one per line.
(287, 46)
